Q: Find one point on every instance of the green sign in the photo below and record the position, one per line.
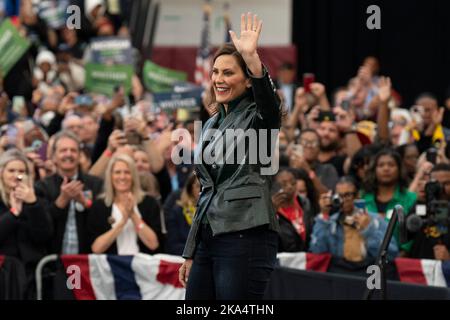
(104, 79)
(12, 46)
(160, 79)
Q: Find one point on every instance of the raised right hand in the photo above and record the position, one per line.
(116, 139)
(279, 199)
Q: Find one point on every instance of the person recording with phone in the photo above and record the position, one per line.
(324, 176)
(25, 226)
(428, 226)
(294, 213)
(346, 229)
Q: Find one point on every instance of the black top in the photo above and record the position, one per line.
(338, 164)
(381, 206)
(49, 190)
(288, 238)
(99, 222)
(25, 236)
(229, 169)
(236, 196)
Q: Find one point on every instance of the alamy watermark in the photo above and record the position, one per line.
(374, 20)
(374, 279)
(73, 277)
(234, 146)
(74, 18)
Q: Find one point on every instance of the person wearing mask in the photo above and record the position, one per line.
(324, 176)
(68, 195)
(124, 220)
(350, 233)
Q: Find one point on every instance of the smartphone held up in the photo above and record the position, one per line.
(308, 79)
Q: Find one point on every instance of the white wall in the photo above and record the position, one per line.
(180, 21)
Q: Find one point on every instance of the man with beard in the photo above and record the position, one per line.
(330, 142)
(69, 194)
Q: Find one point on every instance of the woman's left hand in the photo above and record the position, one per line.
(129, 204)
(183, 272)
(250, 30)
(25, 193)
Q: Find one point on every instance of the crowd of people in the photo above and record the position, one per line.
(77, 176)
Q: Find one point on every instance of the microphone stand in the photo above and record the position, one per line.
(381, 260)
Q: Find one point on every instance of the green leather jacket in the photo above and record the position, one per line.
(236, 197)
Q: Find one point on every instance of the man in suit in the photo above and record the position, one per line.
(69, 194)
(286, 84)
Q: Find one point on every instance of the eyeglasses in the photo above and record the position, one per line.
(347, 195)
(309, 143)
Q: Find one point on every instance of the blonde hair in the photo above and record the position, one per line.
(7, 157)
(109, 192)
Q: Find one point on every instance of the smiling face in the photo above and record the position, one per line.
(310, 142)
(10, 173)
(142, 162)
(121, 177)
(67, 154)
(228, 79)
(288, 183)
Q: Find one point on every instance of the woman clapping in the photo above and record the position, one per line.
(124, 220)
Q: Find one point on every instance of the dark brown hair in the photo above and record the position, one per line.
(227, 49)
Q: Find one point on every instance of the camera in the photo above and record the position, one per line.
(438, 209)
(434, 214)
(336, 203)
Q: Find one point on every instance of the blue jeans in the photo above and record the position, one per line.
(232, 266)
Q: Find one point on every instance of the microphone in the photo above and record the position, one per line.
(401, 223)
(414, 223)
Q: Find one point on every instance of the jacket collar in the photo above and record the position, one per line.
(232, 105)
(235, 107)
